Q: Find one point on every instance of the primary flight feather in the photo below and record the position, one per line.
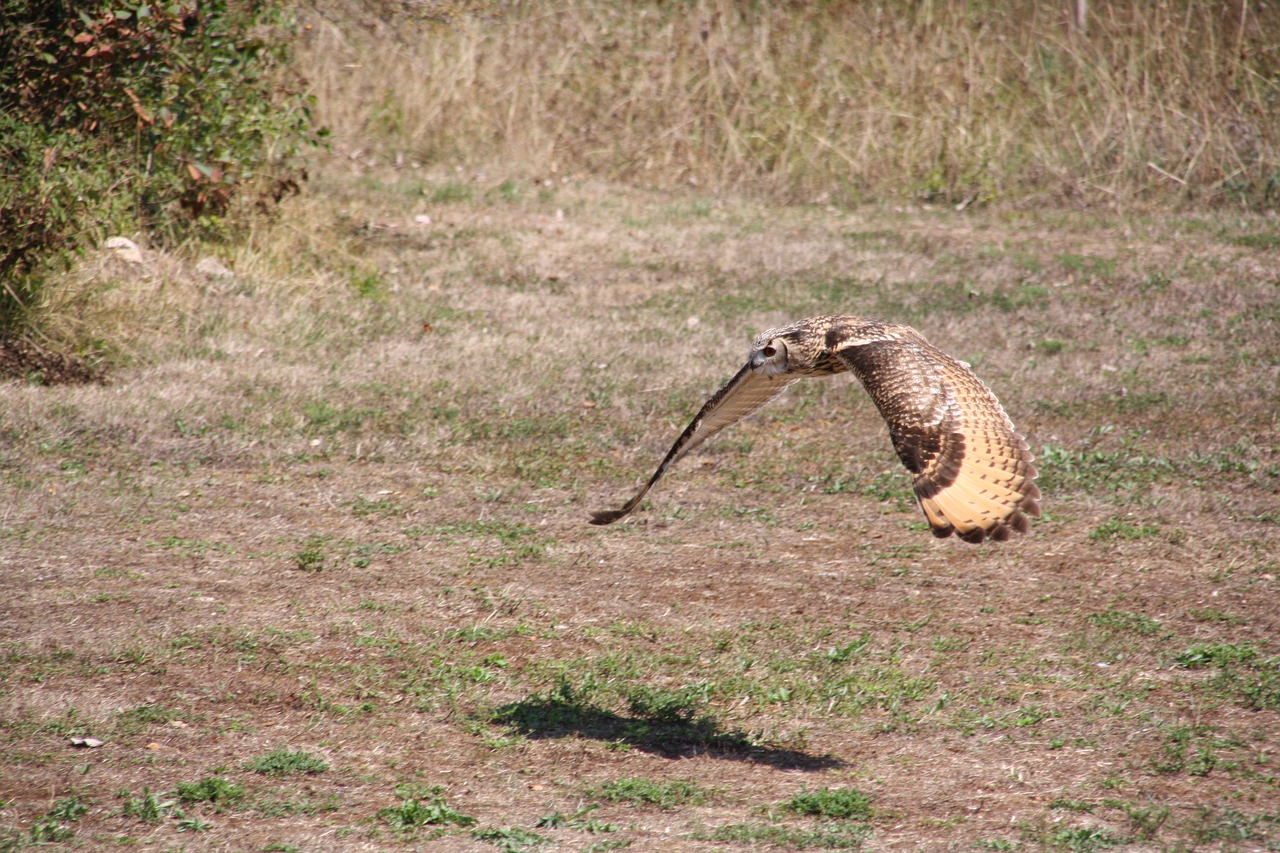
(972, 471)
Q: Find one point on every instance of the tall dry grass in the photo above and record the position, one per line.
(956, 101)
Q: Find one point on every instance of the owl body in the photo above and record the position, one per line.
(972, 472)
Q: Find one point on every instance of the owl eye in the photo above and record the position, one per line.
(769, 352)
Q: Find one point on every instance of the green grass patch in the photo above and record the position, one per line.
(134, 720)
(286, 762)
(838, 803)
(1118, 528)
(1242, 673)
(211, 789)
(1122, 622)
(512, 838)
(1083, 839)
(311, 557)
(1215, 654)
(1196, 750)
(148, 807)
(450, 192)
(663, 794)
(418, 809)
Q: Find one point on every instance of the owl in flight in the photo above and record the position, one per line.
(971, 470)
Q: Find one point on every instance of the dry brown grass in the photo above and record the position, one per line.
(845, 102)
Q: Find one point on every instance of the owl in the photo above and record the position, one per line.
(972, 471)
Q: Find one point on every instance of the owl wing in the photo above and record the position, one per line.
(743, 395)
(971, 469)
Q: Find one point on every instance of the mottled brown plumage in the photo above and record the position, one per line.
(971, 470)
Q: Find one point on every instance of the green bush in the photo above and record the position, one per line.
(136, 117)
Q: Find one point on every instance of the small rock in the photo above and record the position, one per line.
(124, 249)
(213, 268)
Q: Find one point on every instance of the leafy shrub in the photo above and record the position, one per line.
(132, 117)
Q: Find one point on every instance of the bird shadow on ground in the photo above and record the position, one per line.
(671, 733)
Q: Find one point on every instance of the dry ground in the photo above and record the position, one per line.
(317, 565)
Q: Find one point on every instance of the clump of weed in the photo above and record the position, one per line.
(283, 762)
(134, 719)
(1190, 749)
(47, 831)
(511, 838)
(419, 809)
(1253, 680)
(665, 794)
(1083, 838)
(840, 803)
(147, 807)
(661, 705)
(1233, 828)
(68, 809)
(52, 828)
(1215, 654)
(1118, 528)
(1118, 621)
(578, 820)
(211, 789)
(192, 823)
(311, 557)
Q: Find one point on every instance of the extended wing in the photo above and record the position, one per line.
(971, 469)
(744, 394)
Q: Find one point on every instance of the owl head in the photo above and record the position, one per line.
(790, 349)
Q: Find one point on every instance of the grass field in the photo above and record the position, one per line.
(316, 569)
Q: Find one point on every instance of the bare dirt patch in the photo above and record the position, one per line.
(342, 512)
(21, 359)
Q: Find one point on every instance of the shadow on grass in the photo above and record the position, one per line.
(673, 733)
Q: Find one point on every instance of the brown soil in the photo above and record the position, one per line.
(21, 359)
